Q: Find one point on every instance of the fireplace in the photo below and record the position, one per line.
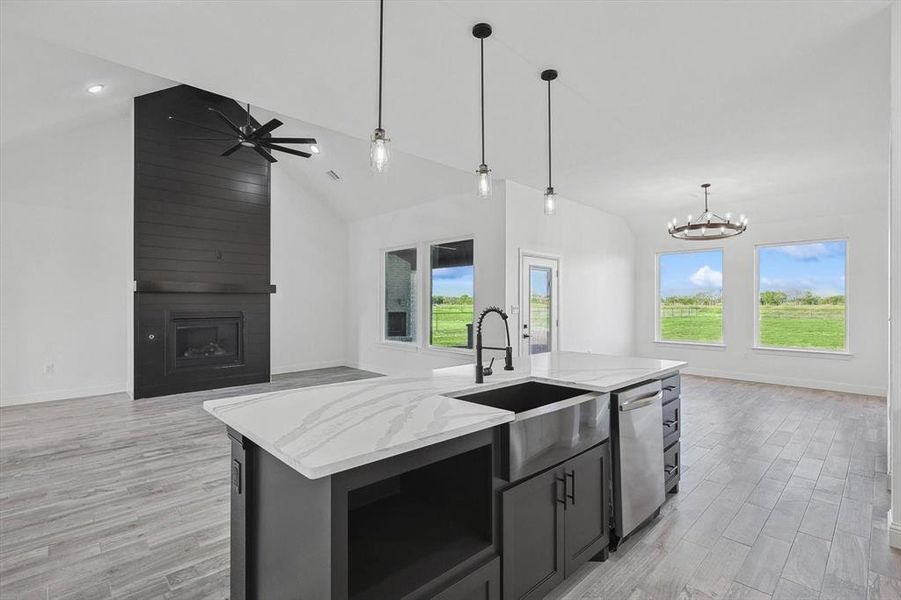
(205, 340)
(201, 250)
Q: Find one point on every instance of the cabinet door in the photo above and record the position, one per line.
(533, 536)
(587, 496)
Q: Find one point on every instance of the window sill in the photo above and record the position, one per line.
(402, 346)
(837, 354)
(703, 345)
(458, 351)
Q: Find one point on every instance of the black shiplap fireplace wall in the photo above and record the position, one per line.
(201, 248)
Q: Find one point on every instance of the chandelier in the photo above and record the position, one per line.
(708, 225)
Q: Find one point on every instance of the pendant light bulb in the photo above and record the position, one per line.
(550, 202)
(379, 153)
(483, 182)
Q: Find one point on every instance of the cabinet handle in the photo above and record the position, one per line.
(572, 495)
(669, 423)
(670, 470)
(558, 499)
(669, 388)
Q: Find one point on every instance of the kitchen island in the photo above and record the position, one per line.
(393, 487)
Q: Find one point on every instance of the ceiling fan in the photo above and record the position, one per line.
(256, 138)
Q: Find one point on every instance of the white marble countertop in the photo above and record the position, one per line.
(323, 430)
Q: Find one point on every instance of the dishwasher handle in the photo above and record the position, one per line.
(641, 401)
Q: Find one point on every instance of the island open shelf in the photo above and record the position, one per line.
(408, 529)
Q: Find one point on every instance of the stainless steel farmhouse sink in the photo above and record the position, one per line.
(552, 423)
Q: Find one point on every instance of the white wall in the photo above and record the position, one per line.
(309, 268)
(444, 219)
(862, 372)
(596, 273)
(65, 262)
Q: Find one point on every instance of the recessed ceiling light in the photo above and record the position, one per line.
(314, 149)
(96, 88)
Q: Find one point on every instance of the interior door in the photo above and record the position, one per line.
(588, 497)
(533, 557)
(539, 285)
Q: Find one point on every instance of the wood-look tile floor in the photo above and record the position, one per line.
(783, 495)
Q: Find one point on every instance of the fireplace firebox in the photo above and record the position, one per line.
(205, 341)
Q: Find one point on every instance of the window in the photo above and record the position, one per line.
(801, 296)
(690, 292)
(399, 314)
(451, 305)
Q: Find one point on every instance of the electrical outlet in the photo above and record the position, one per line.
(49, 368)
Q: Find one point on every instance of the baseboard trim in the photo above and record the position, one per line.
(894, 531)
(816, 384)
(307, 366)
(53, 395)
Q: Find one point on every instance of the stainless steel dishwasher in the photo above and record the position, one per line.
(637, 437)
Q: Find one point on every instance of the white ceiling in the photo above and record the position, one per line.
(772, 102)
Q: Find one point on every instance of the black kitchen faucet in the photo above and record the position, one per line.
(481, 371)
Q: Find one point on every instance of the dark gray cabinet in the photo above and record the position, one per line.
(672, 430)
(586, 516)
(554, 522)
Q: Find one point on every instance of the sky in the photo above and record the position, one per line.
(817, 267)
(452, 281)
(689, 273)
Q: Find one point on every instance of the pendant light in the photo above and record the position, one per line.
(708, 226)
(378, 147)
(483, 174)
(550, 197)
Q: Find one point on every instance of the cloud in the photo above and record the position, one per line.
(805, 252)
(705, 277)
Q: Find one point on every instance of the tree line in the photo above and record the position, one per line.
(808, 298)
(461, 299)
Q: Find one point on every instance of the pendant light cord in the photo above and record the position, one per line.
(381, 36)
(549, 134)
(482, 52)
(705, 202)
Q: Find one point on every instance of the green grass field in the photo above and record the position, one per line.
(449, 324)
(819, 327)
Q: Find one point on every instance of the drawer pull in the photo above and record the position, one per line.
(669, 388)
(669, 423)
(670, 470)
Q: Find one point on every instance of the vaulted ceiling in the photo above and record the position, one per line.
(773, 102)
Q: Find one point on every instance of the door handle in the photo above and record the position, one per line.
(671, 470)
(572, 495)
(669, 423)
(558, 499)
(526, 335)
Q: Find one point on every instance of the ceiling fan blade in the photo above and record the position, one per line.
(232, 149)
(279, 140)
(177, 120)
(265, 129)
(288, 150)
(264, 154)
(200, 139)
(226, 120)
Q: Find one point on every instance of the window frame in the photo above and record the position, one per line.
(382, 339)
(427, 297)
(757, 345)
(657, 305)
